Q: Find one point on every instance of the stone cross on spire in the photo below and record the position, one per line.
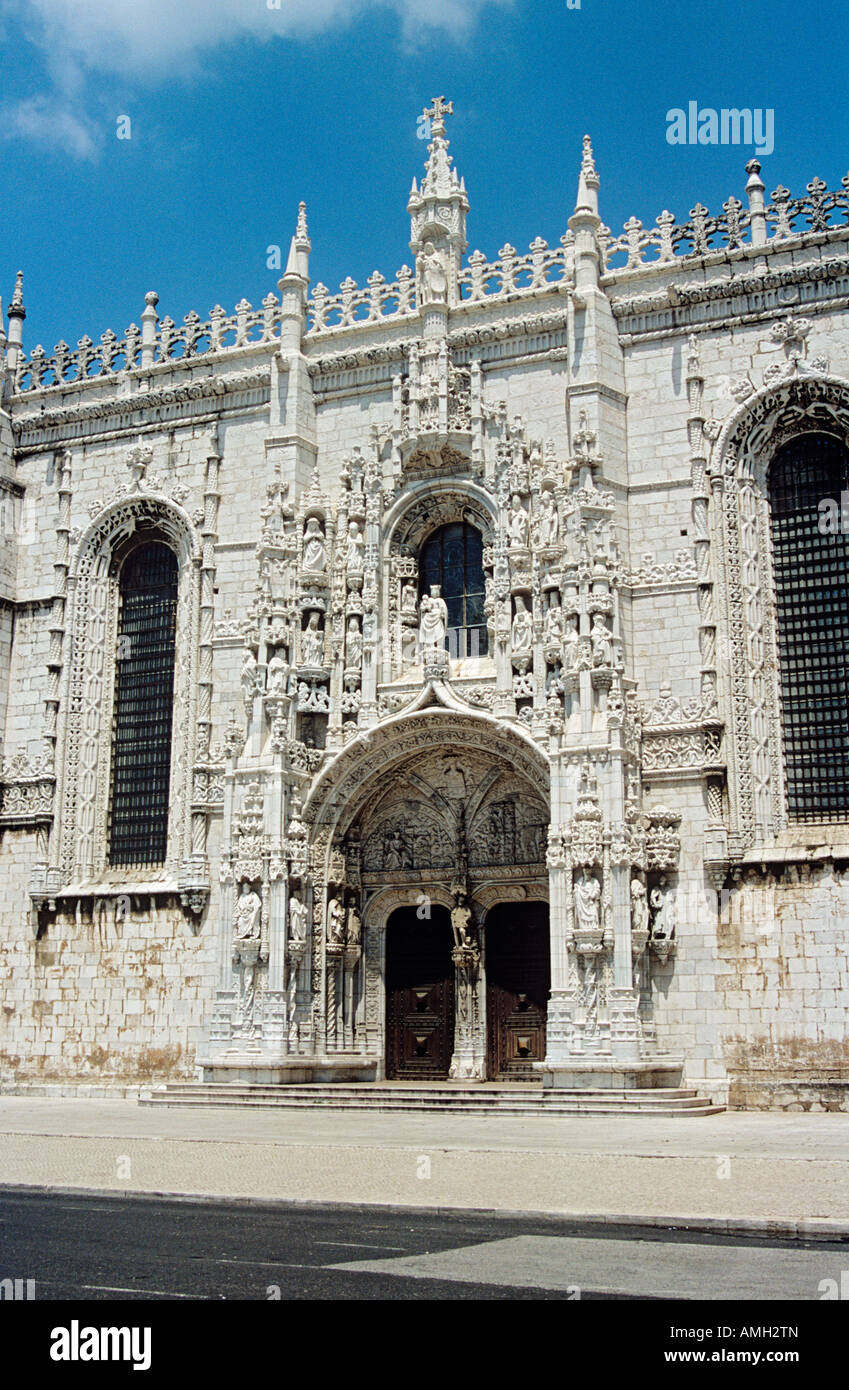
(436, 113)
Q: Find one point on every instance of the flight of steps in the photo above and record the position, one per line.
(442, 1098)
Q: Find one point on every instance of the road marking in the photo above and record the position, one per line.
(148, 1293)
(360, 1245)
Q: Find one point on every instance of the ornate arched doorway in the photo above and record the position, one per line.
(441, 814)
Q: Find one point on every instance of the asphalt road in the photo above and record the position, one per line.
(101, 1247)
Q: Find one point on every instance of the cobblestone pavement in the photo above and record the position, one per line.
(775, 1168)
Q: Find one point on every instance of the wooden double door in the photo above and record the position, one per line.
(419, 995)
(518, 981)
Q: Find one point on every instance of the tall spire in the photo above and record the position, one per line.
(438, 208)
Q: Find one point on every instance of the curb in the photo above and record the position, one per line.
(808, 1228)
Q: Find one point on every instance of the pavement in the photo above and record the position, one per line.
(771, 1172)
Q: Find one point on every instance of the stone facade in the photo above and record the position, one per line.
(603, 413)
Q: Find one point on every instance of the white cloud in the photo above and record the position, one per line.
(146, 37)
(48, 120)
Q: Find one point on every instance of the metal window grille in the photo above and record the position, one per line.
(812, 598)
(453, 558)
(144, 696)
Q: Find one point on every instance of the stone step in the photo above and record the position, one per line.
(513, 1101)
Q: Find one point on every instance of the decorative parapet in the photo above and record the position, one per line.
(164, 342)
(735, 228)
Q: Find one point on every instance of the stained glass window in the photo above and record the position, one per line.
(811, 560)
(144, 694)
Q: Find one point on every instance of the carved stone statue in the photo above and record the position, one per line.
(297, 919)
(335, 921)
(312, 642)
(408, 601)
(461, 916)
(433, 619)
(246, 919)
(315, 546)
(600, 636)
(587, 895)
(662, 901)
(554, 623)
(517, 521)
(548, 522)
(522, 632)
(432, 278)
(356, 550)
(249, 677)
(639, 912)
(355, 926)
(397, 854)
(277, 673)
(353, 642)
(571, 645)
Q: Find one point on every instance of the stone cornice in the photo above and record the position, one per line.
(137, 408)
(681, 306)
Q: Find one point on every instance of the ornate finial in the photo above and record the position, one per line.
(587, 161)
(18, 296)
(436, 113)
(301, 232)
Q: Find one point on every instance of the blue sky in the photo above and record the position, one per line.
(239, 110)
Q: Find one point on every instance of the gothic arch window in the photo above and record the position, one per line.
(143, 705)
(452, 557)
(811, 569)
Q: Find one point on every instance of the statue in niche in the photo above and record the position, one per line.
(353, 642)
(432, 277)
(639, 912)
(335, 921)
(249, 677)
(522, 631)
(433, 619)
(600, 637)
(408, 602)
(587, 896)
(397, 854)
(354, 926)
(517, 521)
(312, 642)
(315, 546)
(554, 622)
(277, 674)
(356, 550)
(461, 916)
(297, 919)
(547, 522)
(662, 901)
(246, 922)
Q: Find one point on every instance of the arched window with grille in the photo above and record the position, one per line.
(143, 706)
(452, 557)
(811, 568)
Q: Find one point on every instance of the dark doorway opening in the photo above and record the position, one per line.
(518, 981)
(419, 995)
